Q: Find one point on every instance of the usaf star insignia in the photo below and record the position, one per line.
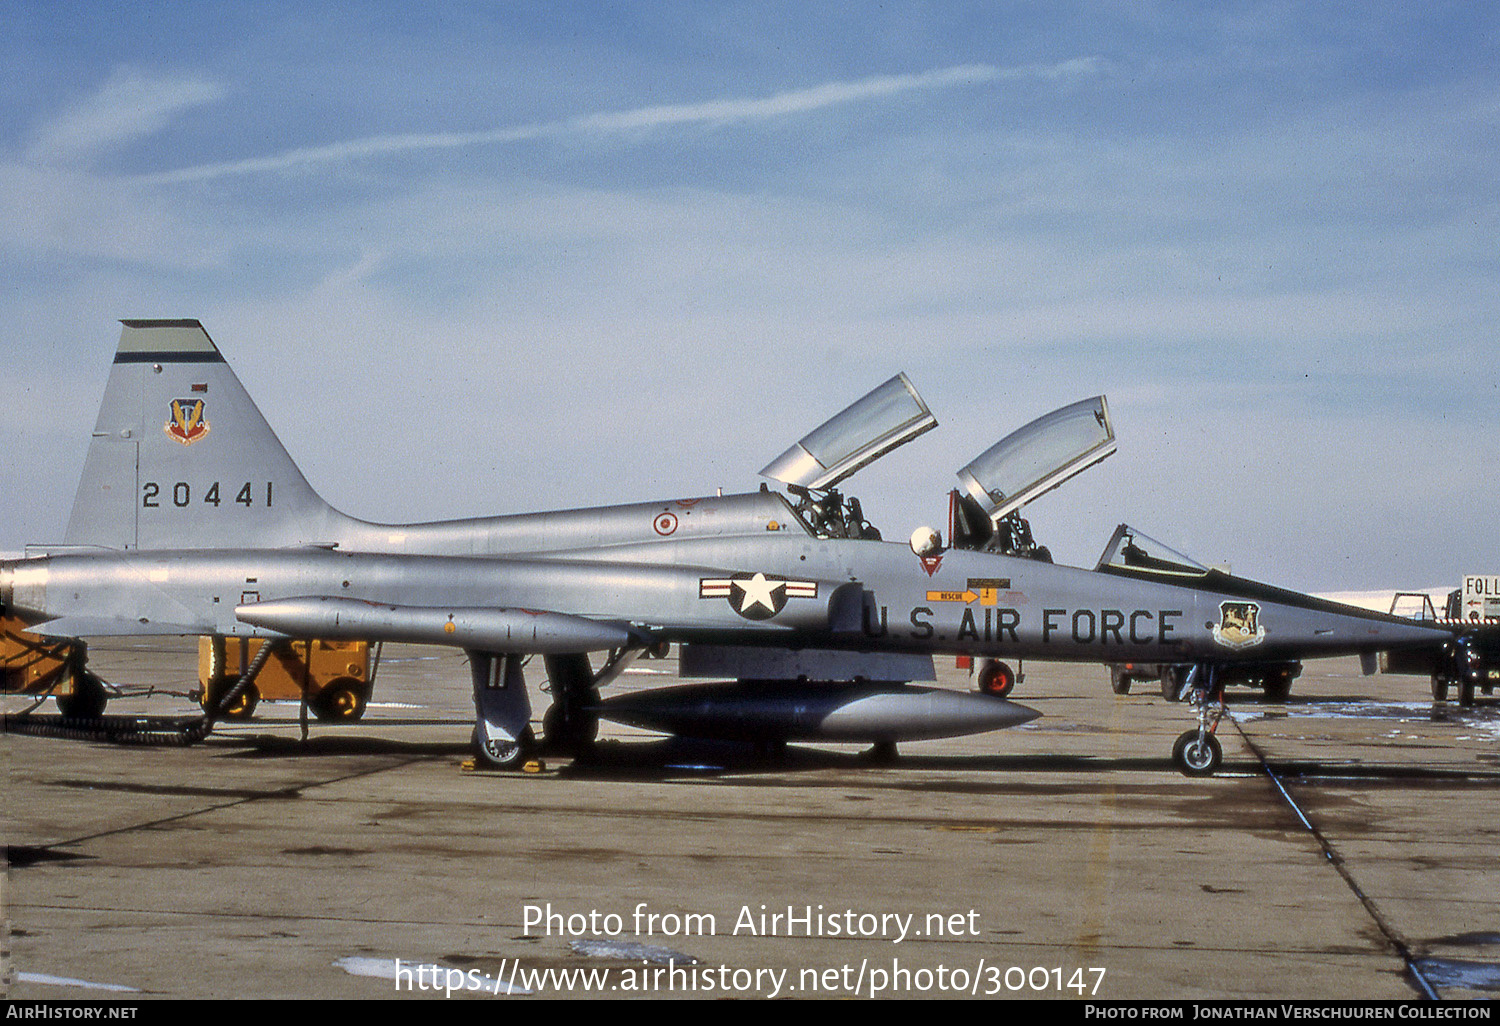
(756, 596)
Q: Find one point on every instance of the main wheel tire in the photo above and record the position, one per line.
(1119, 681)
(1465, 694)
(1197, 756)
(343, 700)
(996, 678)
(1439, 688)
(569, 734)
(503, 755)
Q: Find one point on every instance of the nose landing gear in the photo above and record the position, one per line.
(1197, 752)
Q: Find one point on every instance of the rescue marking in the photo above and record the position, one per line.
(989, 589)
(985, 589)
(951, 596)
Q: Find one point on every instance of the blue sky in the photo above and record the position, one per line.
(481, 258)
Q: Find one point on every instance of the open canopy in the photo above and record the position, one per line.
(1039, 457)
(890, 416)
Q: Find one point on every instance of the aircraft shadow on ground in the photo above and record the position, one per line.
(669, 759)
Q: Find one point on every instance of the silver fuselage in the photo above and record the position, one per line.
(645, 565)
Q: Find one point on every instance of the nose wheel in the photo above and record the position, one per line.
(1197, 753)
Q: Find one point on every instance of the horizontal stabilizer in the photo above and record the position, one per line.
(481, 629)
(112, 627)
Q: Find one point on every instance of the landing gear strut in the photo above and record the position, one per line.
(1197, 753)
(571, 726)
(502, 735)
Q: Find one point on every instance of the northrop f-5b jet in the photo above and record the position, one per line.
(799, 619)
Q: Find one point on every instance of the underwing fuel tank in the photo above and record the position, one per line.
(489, 630)
(798, 711)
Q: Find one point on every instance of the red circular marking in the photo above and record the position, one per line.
(665, 524)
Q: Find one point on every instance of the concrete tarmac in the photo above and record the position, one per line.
(1347, 850)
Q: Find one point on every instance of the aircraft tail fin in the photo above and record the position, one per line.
(182, 458)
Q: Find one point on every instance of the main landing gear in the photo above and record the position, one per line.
(1197, 753)
(571, 726)
(503, 738)
(996, 678)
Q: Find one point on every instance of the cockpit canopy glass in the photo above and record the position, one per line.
(1129, 549)
(1039, 457)
(891, 415)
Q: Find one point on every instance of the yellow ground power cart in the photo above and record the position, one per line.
(335, 675)
(33, 665)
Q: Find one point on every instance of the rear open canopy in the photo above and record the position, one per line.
(890, 416)
(1039, 457)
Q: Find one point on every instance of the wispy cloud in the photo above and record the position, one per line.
(643, 119)
(129, 105)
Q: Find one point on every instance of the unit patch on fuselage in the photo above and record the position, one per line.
(1239, 625)
(756, 596)
(186, 421)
